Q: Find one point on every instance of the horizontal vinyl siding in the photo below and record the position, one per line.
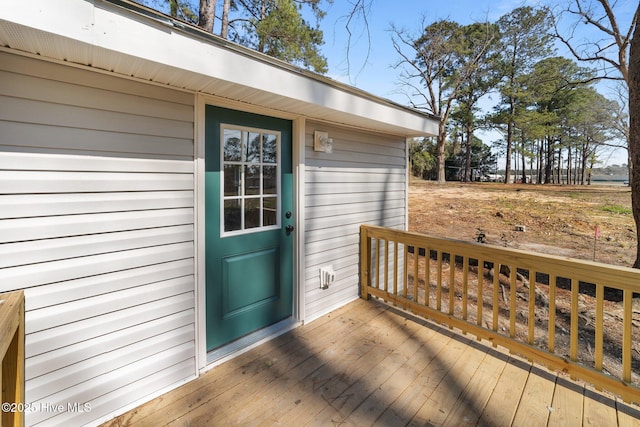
(362, 182)
(96, 224)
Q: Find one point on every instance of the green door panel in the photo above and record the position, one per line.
(257, 273)
(249, 275)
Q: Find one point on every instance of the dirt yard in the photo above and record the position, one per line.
(558, 220)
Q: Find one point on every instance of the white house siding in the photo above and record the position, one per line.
(96, 224)
(363, 181)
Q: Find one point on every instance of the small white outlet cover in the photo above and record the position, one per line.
(327, 276)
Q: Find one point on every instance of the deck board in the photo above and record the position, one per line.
(350, 402)
(310, 389)
(505, 398)
(398, 382)
(628, 415)
(371, 364)
(412, 398)
(450, 391)
(536, 399)
(567, 404)
(298, 352)
(343, 388)
(474, 398)
(599, 410)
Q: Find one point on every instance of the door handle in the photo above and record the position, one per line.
(289, 229)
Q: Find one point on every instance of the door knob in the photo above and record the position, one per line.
(289, 228)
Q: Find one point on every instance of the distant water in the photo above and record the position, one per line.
(609, 182)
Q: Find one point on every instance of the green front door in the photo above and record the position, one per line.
(249, 218)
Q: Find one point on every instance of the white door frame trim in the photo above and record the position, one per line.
(298, 152)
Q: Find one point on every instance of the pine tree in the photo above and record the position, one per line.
(274, 27)
(436, 65)
(525, 40)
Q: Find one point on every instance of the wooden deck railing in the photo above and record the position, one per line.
(12, 353)
(570, 315)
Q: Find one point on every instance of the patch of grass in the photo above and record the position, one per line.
(617, 209)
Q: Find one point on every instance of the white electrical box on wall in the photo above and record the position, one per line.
(327, 276)
(322, 142)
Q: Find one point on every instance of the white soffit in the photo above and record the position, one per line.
(152, 47)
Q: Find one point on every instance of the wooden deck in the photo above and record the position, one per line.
(369, 364)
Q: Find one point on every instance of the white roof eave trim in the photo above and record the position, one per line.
(103, 35)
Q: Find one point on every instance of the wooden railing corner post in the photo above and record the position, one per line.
(20, 374)
(12, 353)
(365, 254)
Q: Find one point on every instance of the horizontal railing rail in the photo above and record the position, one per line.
(570, 315)
(12, 354)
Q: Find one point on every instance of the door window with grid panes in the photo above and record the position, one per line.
(251, 179)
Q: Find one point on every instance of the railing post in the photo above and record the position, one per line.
(627, 316)
(12, 353)
(365, 261)
(554, 272)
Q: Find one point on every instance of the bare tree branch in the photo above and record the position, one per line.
(361, 10)
(607, 23)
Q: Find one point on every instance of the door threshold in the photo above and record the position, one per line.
(246, 343)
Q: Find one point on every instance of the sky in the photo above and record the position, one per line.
(374, 73)
(369, 65)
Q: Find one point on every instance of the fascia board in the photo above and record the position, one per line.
(103, 25)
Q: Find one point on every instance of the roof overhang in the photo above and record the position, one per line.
(125, 38)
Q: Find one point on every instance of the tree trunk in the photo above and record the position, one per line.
(261, 37)
(548, 167)
(531, 171)
(224, 32)
(634, 133)
(515, 165)
(467, 162)
(206, 15)
(577, 168)
(569, 166)
(559, 169)
(442, 136)
(524, 165)
(507, 166)
(540, 160)
(629, 165)
(584, 168)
